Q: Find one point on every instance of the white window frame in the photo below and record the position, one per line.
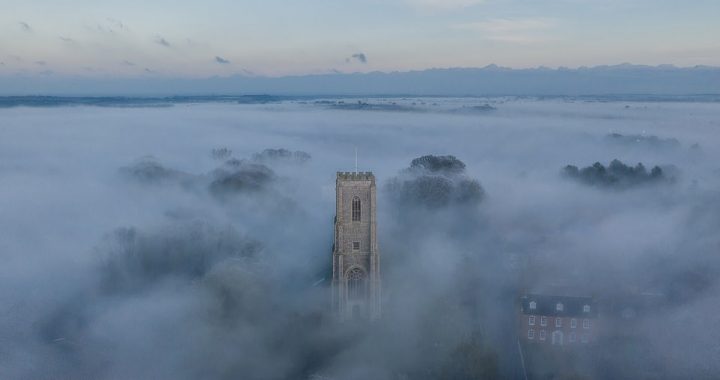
(559, 307)
(531, 320)
(586, 309)
(533, 305)
(542, 335)
(558, 322)
(586, 323)
(573, 323)
(531, 334)
(543, 321)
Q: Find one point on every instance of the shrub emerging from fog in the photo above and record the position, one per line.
(643, 140)
(134, 259)
(281, 155)
(435, 182)
(149, 170)
(616, 175)
(471, 359)
(240, 176)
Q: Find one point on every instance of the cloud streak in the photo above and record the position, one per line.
(443, 4)
(25, 26)
(512, 30)
(162, 42)
(357, 57)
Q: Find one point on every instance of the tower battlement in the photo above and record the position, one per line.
(356, 176)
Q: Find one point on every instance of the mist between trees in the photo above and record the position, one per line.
(194, 241)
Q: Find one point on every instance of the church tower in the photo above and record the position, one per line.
(356, 260)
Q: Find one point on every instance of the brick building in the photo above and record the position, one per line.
(557, 320)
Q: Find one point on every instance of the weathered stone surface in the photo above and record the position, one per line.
(356, 259)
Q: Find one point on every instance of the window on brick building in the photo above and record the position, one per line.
(356, 245)
(531, 320)
(586, 309)
(571, 338)
(531, 334)
(558, 322)
(542, 334)
(533, 305)
(543, 321)
(586, 323)
(559, 307)
(573, 323)
(356, 209)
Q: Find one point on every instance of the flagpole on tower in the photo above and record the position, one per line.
(356, 168)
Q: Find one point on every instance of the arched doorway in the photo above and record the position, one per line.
(356, 284)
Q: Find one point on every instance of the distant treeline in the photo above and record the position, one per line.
(616, 175)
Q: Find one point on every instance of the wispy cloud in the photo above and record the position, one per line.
(116, 24)
(40, 63)
(359, 57)
(25, 26)
(516, 30)
(109, 26)
(443, 4)
(162, 41)
(128, 63)
(66, 39)
(221, 60)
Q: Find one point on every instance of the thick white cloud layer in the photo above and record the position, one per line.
(62, 196)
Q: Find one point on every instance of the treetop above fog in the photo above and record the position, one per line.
(435, 164)
(435, 182)
(616, 175)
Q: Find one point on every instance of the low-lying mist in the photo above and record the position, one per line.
(194, 241)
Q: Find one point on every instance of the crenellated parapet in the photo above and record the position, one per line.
(356, 176)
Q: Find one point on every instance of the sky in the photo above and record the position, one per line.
(275, 38)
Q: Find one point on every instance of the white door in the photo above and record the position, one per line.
(557, 337)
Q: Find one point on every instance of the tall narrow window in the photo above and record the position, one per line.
(356, 209)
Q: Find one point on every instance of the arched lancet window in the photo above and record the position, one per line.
(356, 284)
(356, 209)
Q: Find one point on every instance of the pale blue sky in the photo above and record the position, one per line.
(274, 37)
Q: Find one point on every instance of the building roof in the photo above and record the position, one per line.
(548, 305)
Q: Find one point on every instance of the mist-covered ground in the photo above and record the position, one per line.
(167, 242)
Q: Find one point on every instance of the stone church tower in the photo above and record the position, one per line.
(356, 260)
